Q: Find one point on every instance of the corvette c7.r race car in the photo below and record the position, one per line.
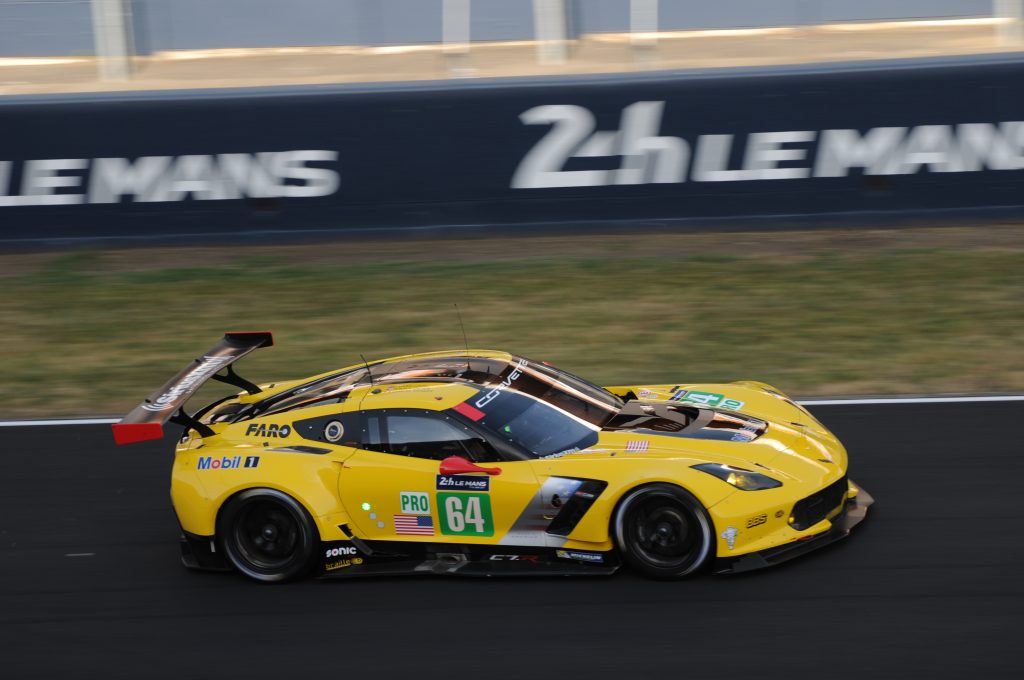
(486, 463)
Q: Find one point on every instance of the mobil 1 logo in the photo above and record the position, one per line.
(227, 462)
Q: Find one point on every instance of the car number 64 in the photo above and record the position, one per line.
(466, 514)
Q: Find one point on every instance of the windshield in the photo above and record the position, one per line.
(527, 423)
(562, 390)
(585, 388)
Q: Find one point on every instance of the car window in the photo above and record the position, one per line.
(424, 434)
(528, 423)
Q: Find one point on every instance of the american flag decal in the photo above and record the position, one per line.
(414, 525)
(636, 446)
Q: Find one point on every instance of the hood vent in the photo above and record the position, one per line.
(687, 421)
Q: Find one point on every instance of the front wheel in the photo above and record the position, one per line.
(663, 531)
(267, 535)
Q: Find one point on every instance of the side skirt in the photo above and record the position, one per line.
(341, 559)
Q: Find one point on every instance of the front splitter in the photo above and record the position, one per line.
(853, 513)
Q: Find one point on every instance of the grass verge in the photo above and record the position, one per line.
(908, 311)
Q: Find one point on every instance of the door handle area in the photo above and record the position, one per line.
(455, 465)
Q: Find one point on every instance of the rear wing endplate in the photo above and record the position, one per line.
(146, 420)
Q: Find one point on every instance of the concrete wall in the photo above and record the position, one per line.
(63, 27)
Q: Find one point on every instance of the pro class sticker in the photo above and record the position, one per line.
(414, 502)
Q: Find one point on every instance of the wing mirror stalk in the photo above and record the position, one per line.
(457, 465)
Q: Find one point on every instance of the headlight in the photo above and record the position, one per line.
(744, 480)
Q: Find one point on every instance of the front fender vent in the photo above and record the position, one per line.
(576, 507)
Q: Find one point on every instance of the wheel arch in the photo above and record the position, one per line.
(199, 497)
(235, 493)
(615, 530)
(250, 559)
(597, 528)
(628, 491)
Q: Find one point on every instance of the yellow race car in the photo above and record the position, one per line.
(486, 463)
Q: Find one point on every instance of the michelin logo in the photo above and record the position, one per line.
(163, 179)
(595, 558)
(649, 157)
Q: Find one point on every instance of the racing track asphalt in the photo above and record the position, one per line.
(928, 587)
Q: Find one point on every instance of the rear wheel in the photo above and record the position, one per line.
(663, 531)
(267, 535)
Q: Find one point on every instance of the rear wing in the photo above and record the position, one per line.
(146, 421)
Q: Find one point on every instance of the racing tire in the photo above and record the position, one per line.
(267, 535)
(663, 531)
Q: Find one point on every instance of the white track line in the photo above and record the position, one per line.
(908, 400)
(67, 421)
(804, 402)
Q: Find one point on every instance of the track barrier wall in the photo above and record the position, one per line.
(917, 138)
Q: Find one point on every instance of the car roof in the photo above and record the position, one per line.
(428, 358)
(271, 390)
(429, 380)
(433, 396)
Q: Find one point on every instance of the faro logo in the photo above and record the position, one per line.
(343, 550)
(264, 430)
(227, 462)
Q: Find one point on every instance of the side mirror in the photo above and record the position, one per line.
(457, 465)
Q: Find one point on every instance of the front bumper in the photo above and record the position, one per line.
(854, 512)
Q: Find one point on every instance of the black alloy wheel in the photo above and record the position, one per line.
(268, 535)
(663, 531)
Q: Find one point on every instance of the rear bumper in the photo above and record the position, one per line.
(200, 552)
(853, 514)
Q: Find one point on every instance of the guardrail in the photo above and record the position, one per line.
(865, 141)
